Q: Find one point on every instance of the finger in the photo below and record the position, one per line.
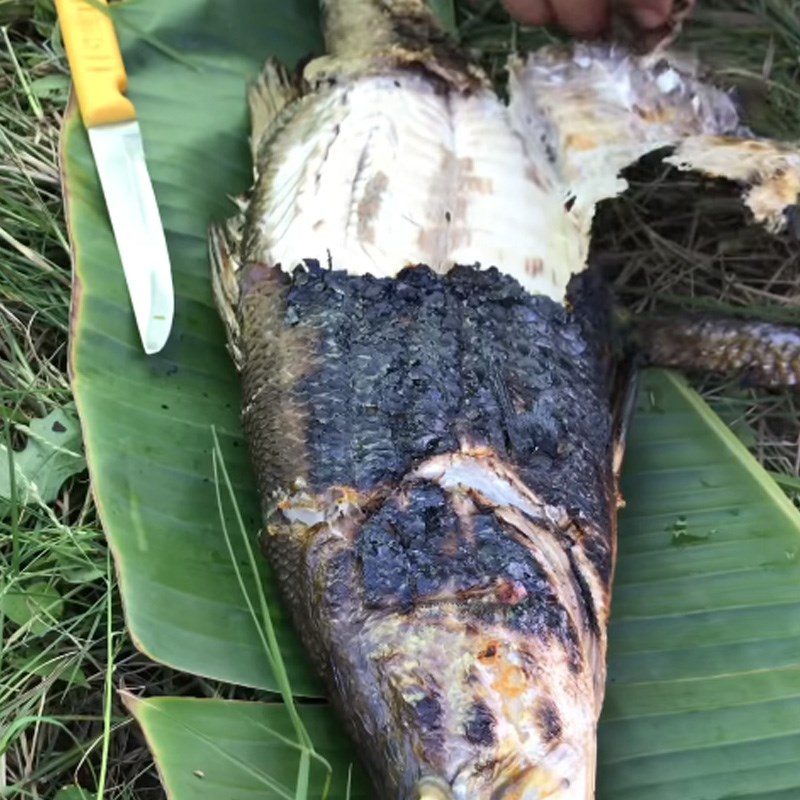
(582, 17)
(650, 14)
(530, 12)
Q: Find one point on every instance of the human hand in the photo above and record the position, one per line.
(587, 18)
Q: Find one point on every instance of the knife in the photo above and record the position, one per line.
(98, 75)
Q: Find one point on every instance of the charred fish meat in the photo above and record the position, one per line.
(429, 388)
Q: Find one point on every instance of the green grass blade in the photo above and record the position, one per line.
(263, 619)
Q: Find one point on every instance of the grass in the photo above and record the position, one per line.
(60, 722)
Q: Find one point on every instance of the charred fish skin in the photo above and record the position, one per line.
(426, 382)
(455, 607)
(761, 353)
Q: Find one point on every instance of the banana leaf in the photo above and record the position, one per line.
(703, 694)
(704, 672)
(221, 749)
(147, 422)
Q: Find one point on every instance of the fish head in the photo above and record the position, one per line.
(483, 711)
(451, 633)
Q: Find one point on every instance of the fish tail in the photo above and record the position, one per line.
(364, 27)
(364, 36)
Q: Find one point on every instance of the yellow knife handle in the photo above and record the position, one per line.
(98, 72)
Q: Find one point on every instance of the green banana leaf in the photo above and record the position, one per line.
(223, 749)
(703, 693)
(147, 421)
(704, 673)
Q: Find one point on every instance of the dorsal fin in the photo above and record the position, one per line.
(224, 244)
(269, 96)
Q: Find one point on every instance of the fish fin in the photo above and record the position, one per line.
(269, 96)
(762, 353)
(770, 171)
(224, 246)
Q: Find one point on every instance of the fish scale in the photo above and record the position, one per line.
(430, 395)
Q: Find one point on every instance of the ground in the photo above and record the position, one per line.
(61, 723)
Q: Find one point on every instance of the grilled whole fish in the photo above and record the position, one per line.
(428, 382)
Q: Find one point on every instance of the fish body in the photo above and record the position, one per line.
(445, 531)
(428, 384)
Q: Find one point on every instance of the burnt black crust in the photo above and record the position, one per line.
(583, 590)
(417, 549)
(549, 721)
(480, 726)
(406, 368)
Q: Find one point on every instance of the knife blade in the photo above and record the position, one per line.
(100, 81)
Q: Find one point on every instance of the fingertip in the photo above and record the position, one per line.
(581, 18)
(530, 12)
(651, 14)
